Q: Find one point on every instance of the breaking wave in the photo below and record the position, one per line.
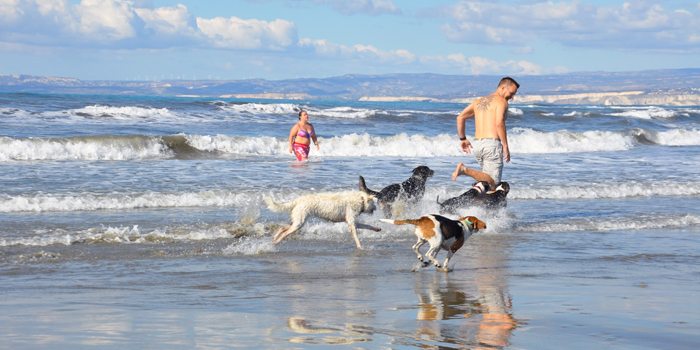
(601, 223)
(42, 202)
(136, 147)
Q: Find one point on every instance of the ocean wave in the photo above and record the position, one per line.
(616, 190)
(91, 202)
(293, 109)
(120, 113)
(244, 230)
(577, 114)
(515, 111)
(42, 202)
(344, 112)
(105, 147)
(135, 147)
(250, 236)
(648, 113)
(675, 137)
(523, 140)
(261, 108)
(601, 223)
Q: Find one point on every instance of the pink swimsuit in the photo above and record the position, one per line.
(301, 151)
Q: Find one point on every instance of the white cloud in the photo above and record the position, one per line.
(329, 49)
(122, 24)
(634, 25)
(105, 20)
(482, 65)
(368, 7)
(236, 33)
(128, 25)
(354, 7)
(169, 20)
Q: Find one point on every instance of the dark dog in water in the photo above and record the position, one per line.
(411, 191)
(478, 195)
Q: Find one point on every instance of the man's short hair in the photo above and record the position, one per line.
(509, 81)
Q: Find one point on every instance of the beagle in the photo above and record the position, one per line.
(441, 233)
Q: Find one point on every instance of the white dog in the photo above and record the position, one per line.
(336, 207)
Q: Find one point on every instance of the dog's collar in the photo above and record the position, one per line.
(468, 223)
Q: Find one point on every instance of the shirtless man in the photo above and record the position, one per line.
(490, 140)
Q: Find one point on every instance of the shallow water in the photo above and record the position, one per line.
(525, 290)
(131, 222)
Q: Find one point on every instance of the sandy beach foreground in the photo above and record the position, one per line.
(582, 290)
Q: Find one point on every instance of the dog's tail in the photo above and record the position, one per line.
(364, 188)
(401, 222)
(278, 207)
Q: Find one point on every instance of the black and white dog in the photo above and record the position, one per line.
(479, 196)
(441, 233)
(410, 191)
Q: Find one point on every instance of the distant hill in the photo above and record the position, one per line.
(674, 86)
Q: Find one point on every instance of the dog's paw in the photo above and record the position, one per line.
(425, 263)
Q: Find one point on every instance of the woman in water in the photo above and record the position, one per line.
(300, 137)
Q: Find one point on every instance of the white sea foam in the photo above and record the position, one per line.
(602, 223)
(616, 190)
(577, 114)
(515, 111)
(676, 137)
(250, 246)
(85, 148)
(647, 113)
(343, 112)
(123, 113)
(292, 110)
(240, 145)
(523, 140)
(134, 235)
(42, 202)
(89, 202)
(262, 108)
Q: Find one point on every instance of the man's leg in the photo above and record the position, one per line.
(475, 174)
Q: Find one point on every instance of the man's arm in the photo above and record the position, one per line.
(501, 116)
(461, 120)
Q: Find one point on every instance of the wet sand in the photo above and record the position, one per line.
(582, 290)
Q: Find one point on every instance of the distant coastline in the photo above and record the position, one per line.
(627, 98)
(675, 87)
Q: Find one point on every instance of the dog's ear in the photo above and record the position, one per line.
(474, 223)
(477, 224)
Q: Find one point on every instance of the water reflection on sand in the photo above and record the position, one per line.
(467, 308)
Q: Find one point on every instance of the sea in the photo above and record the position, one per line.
(139, 222)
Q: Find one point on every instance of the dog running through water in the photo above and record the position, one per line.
(336, 207)
(441, 233)
(410, 191)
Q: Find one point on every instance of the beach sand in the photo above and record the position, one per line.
(582, 290)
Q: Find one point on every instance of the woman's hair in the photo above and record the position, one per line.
(300, 112)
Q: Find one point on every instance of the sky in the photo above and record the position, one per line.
(289, 39)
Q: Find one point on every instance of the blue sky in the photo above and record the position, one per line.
(283, 39)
